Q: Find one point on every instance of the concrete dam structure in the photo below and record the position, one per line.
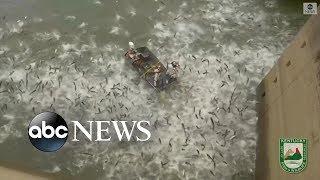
(289, 106)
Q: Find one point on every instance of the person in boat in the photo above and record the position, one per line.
(172, 70)
(132, 54)
(135, 57)
(156, 72)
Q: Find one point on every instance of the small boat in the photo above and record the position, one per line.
(149, 66)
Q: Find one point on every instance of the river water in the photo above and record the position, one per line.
(67, 57)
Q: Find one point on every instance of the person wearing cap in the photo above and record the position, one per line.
(156, 71)
(132, 54)
(172, 70)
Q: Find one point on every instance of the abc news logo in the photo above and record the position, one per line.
(48, 131)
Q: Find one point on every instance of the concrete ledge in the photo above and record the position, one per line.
(289, 105)
(12, 174)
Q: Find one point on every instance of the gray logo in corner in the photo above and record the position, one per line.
(310, 8)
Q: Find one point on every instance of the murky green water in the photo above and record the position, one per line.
(67, 56)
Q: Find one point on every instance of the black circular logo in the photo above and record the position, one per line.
(48, 131)
(310, 6)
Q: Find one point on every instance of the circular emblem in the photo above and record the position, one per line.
(293, 154)
(310, 6)
(48, 132)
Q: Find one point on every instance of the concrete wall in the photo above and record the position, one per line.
(17, 172)
(13, 174)
(289, 105)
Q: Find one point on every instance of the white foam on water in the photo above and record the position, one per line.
(5, 132)
(118, 17)
(115, 30)
(97, 2)
(45, 36)
(37, 19)
(15, 27)
(9, 116)
(132, 11)
(83, 24)
(72, 18)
